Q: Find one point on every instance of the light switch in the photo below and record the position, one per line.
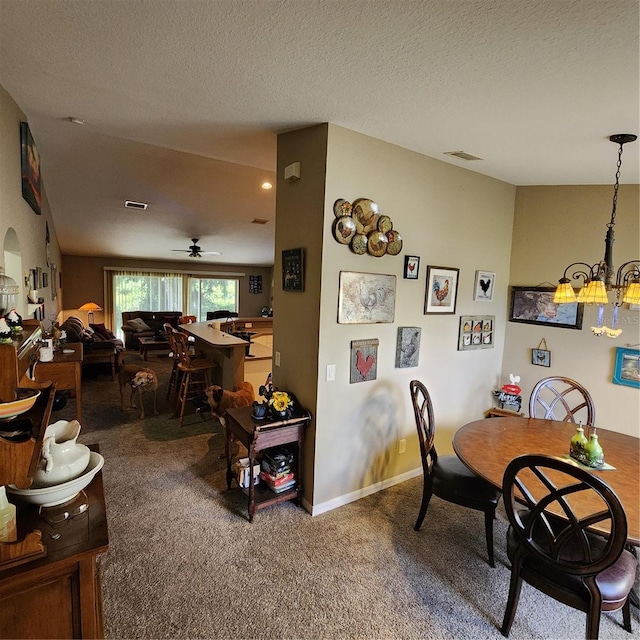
(331, 372)
(277, 358)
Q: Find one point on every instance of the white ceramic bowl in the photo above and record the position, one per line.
(59, 493)
(26, 399)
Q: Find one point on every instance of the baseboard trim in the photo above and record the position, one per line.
(334, 503)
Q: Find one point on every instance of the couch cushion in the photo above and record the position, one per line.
(138, 324)
(102, 331)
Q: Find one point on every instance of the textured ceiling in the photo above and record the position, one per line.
(183, 101)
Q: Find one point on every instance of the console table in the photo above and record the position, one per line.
(257, 435)
(65, 370)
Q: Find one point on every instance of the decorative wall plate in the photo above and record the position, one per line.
(365, 213)
(395, 243)
(385, 224)
(377, 244)
(359, 244)
(341, 207)
(344, 229)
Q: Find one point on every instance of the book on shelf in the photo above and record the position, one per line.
(284, 487)
(275, 473)
(277, 482)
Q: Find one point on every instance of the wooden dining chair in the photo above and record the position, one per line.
(446, 476)
(173, 378)
(560, 398)
(557, 554)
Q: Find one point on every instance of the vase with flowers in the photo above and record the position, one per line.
(280, 404)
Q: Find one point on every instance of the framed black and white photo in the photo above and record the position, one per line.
(483, 290)
(293, 270)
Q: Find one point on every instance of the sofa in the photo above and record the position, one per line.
(93, 338)
(145, 324)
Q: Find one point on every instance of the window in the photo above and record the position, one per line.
(144, 291)
(212, 294)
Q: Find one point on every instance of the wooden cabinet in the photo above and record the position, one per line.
(66, 371)
(49, 585)
(58, 596)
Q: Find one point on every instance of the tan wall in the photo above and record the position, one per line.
(555, 226)
(16, 214)
(447, 216)
(83, 279)
(299, 224)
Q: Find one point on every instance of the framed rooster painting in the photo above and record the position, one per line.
(442, 290)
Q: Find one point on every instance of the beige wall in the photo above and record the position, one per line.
(299, 224)
(449, 217)
(16, 214)
(555, 226)
(83, 279)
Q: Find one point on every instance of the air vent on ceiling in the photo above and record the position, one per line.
(259, 221)
(130, 204)
(463, 155)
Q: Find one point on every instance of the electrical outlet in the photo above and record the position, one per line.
(402, 445)
(331, 372)
(277, 358)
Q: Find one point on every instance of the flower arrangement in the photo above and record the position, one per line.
(280, 401)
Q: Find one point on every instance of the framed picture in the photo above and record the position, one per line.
(541, 357)
(45, 279)
(39, 278)
(365, 298)
(293, 270)
(627, 367)
(441, 290)
(364, 360)
(476, 332)
(483, 290)
(408, 347)
(411, 267)
(30, 168)
(535, 305)
(54, 282)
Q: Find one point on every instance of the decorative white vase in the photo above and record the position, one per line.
(62, 458)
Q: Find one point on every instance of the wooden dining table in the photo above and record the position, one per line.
(487, 446)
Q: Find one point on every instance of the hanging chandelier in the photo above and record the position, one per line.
(598, 279)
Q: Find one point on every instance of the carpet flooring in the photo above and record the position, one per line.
(184, 562)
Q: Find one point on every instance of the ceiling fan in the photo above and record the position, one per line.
(195, 251)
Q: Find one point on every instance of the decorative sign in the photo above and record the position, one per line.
(408, 347)
(364, 360)
(255, 284)
(293, 270)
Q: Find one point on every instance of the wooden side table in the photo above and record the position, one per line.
(65, 370)
(102, 356)
(58, 596)
(259, 435)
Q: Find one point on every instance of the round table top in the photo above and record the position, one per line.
(487, 446)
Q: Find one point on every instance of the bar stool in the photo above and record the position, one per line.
(193, 378)
(173, 378)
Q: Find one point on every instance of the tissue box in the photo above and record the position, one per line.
(241, 470)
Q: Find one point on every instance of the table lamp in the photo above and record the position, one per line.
(90, 307)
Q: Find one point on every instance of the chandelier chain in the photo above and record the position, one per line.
(615, 189)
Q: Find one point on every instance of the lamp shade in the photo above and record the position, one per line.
(632, 294)
(593, 292)
(90, 306)
(564, 293)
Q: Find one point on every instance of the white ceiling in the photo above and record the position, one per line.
(183, 100)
